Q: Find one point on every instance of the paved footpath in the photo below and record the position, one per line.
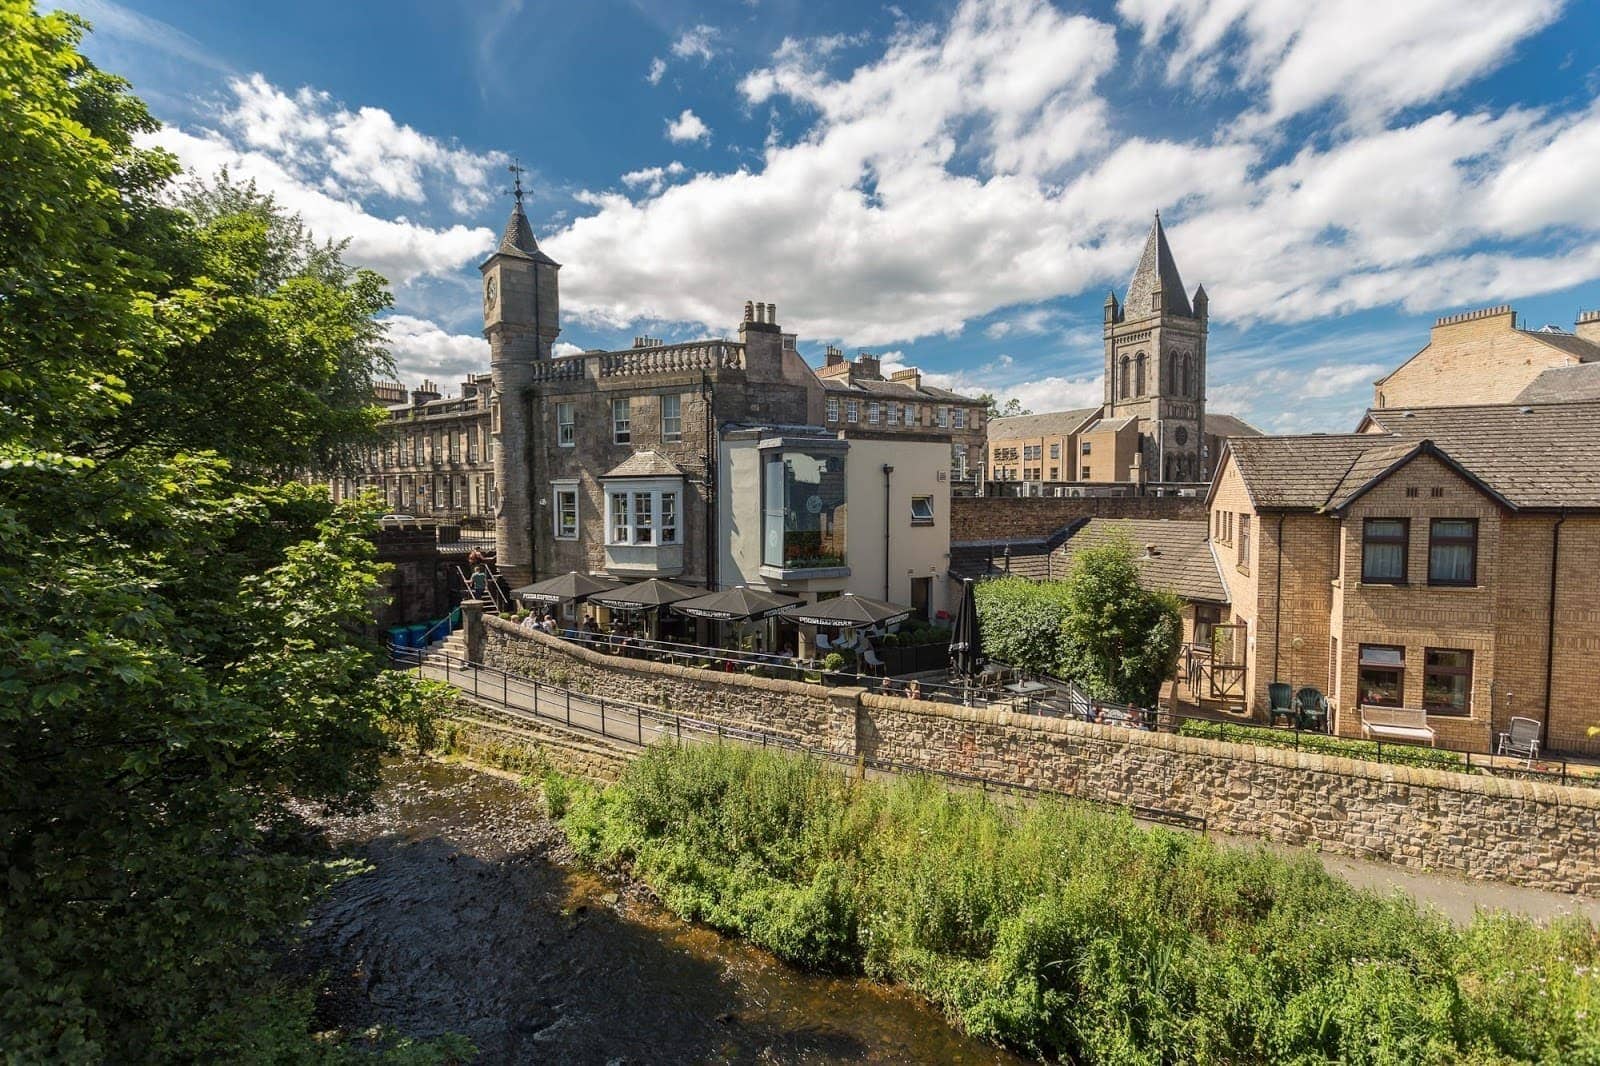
(1456, 897)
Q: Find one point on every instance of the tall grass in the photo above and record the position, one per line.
(1072, 933)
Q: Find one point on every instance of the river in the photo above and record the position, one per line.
(473, 921)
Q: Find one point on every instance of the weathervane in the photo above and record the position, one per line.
(517, 170)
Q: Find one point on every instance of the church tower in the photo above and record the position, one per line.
(1156, 364)
(521, 306)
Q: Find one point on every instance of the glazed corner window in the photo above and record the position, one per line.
(566, 425)
(922, 510)
(833, 408)
(566, 514)
(632, 516)
(622, 420)
(852, 411)
(1381, 675)
(1453, 551)
(1447, 681)
(1383, 550)
(872, 413)
(672, 418)
(803, 509)
(1244, 543)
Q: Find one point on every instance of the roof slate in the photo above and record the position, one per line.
(1182, 562)
(1564, 384)
(1048, 424)
(645, 464)
(1224, 425)
(1156, 271)
(894, 390)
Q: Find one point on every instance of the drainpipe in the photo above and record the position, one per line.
(1550, 630)
(1277, 610)
(887, 511)
(709, 490)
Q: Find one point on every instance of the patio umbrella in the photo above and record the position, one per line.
(573, 586)
(846, 612)
(966, 639)
(644, 596)
(734, 605)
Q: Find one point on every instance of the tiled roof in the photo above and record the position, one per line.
(645, 464)
(517, 240)
(1174, 554)
(1049, 424)
(1564, 384)
(1221, 425)
(1572, 344)
(1529, 455)
(895, 390)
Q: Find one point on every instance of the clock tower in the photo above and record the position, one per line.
(521, 320)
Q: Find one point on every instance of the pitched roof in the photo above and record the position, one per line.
(1048, 424)
(1174, 554)
(1570, 343)
(1527, 456)
(894, 390)
(645, 464)
(517, 240)
(1563, 384)
(1222, 425)
(1156, 271)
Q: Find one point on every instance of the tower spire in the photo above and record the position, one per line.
(1157, 273)
(518, 237)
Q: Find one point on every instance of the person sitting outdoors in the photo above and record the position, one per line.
(914, 690)
(529, 623)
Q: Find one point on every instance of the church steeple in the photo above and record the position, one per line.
(1156, 286)
(518, 238)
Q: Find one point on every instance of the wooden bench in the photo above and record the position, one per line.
(1396, 723)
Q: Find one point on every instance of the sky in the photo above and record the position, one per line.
(954, 186)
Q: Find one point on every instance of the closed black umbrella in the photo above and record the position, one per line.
(847, 612)
(966, 639)
(734, 605)
(568, 587)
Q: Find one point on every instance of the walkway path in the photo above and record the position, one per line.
(626, 724)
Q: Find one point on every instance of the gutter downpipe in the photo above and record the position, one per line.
(887, 510)
(1277, 611)
(1550, 631)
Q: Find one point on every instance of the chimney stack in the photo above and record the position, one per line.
(1588, 326)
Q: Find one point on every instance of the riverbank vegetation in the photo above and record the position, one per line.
(1077, 934)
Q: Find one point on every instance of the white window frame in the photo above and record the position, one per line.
(833, 408)
(922, 510)
(667, 518)
(874, 412)
(912, 415)
(621, 427)
(958, 417)
(852, 411)
(941, 415)
(650, 508)
(668, 434)
(568, 489)
(566, 427)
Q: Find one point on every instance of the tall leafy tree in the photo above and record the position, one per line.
(1119, 640)
(182, 655)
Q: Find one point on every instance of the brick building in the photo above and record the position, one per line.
(1153, 428)
(1483, 356)
(1440, 558)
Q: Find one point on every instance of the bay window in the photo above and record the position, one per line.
(803, 508)
(644, 514)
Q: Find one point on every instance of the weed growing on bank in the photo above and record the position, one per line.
(1073, 933)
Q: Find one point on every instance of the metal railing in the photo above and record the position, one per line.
(634, 724)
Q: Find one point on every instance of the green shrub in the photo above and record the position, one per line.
(1398, 754)
(1079, 935)
(889, 640)
(1021, 622)
(833, 662)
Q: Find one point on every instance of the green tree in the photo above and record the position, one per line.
(1021, 622)
(183, 656)
(1119, 640)
(995, 409)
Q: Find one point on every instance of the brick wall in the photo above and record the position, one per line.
(1004, 517)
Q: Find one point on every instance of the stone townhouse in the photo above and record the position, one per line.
(1482, 356)
(432, 458)
(1153, 426)
(859, 399)
(1440, 558)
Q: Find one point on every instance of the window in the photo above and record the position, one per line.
(894, 413)
(872, 412)
(922, 510)
(672, 418)
(1244, 543)
(619, 518)
(1055, 450)
(833, 408)
(567, 512)
(1447, 681)
(958, 417)
(1083, 449)
(1381, 675)
(669, 518)
(852, 411)
(1055, 473)
(621, 420)
(804, 515)
(958, 461)
(643, 514)
(1453, 551)
(941, 417)
(913, 415)
(1383, 550)
(1084, 475)
(566, 426)
(1139, 375)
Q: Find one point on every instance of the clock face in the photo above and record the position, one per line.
(491, 289)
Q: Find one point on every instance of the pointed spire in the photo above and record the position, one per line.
(1156, 273)
(518, 237)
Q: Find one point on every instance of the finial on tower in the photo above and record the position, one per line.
(517, 170)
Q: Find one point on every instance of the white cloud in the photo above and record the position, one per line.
(422, 349)
(653, 179)
(697, 42)
(112, 19)
(658, 69)
(687, 127)
(1373, 56)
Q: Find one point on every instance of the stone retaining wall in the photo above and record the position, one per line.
(1521, 832)
(484, 735)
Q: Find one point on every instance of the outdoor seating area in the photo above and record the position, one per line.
(1396, 723)
(1306, 709)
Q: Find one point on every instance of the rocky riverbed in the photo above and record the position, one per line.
(472, 920)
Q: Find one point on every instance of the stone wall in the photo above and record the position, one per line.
(1521, 832)
(482, 734)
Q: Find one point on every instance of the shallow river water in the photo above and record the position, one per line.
(471, 922)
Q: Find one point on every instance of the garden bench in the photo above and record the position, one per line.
(1396, 723)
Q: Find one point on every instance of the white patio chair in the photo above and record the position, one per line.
(874, 663)
(823, 644)
(1521, 740)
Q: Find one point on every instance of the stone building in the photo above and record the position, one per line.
(1440, 558)
(857, 398)
(1483, 356)
(432, 459)
(1153, 428)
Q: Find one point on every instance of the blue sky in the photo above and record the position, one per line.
(954, 186)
